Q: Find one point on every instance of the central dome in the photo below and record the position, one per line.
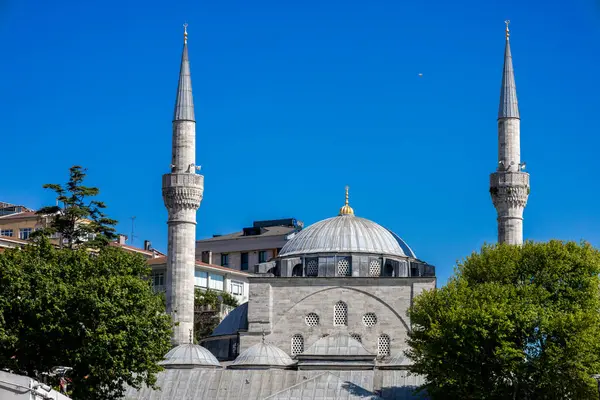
(346, 234)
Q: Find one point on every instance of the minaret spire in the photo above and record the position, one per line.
(509, 107)
(182, 192)
(509, 185)
(184, 104)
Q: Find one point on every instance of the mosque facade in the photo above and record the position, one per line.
(327, 319)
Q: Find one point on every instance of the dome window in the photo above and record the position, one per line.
(297, 344)
(312, 319)
(297, 271)
(369, 319)
(375, 268)
(383, 346)
(343, 267)
(340, 314)
(356, 337)
(312, 268)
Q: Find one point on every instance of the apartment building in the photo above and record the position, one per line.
(252, 245)
(207, 277)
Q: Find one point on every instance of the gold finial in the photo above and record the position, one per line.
(185, 33)
(507, 31)
(346, 209)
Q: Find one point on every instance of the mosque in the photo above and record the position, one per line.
(327, 318)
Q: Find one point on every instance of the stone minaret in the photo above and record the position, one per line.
(509, 185)
(182, 193)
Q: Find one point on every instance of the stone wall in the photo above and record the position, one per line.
(279, 306)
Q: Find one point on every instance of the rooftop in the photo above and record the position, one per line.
(259, 229)
(163, 260)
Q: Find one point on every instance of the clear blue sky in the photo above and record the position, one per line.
(296, 99)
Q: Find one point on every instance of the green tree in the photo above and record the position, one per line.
(78, 220)
(92, 311)
(207, 300)
(512, 323)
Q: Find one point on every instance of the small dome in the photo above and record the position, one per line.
(235, 321)
(346, 234)
(263, 355)
(339, 344)
(189, 356)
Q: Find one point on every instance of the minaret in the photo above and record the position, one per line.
(182, 193)
(509, 185)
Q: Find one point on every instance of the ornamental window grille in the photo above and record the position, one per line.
(369, 319)
(297, 344)
(311, 319)
(356, 337)
(375, 268)
(312, 268)
(383, 346)
(343, 267)
(340, 314)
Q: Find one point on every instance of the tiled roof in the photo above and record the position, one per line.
(26, 214)
(136, 249)
(13, 239)
(163, 260)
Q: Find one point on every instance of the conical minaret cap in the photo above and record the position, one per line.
(509, 107)
(184, 103)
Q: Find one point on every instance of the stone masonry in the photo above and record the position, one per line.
(509, 186)
(281, 312)
(182, 194)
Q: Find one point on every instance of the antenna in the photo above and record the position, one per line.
(132, 226)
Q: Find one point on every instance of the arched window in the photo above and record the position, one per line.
(356, 337)
(383, 346)
(340, 314)
(389, 270)
(343, 267)
(312, 268)
(274, 271)
(297, 271)
(297, 344)
(311, 319)
(375, 268)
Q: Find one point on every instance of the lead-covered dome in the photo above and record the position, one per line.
(346, 233)
(189, 356)
(263, 355)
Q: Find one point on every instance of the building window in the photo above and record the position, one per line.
(343, 267)
(312, 319)
(340, 314)
(297, 271)
(356, 337)
(200, 278)
(312, 268)
(262, 256)
(237, 288)
(297, 344)
(158, 279)
(225, 260)
(369, 319)
(244, 261)
(6, 232)
(24, 233)
(375, 268)
(383, 346)
(215, 282)
(389, 270)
